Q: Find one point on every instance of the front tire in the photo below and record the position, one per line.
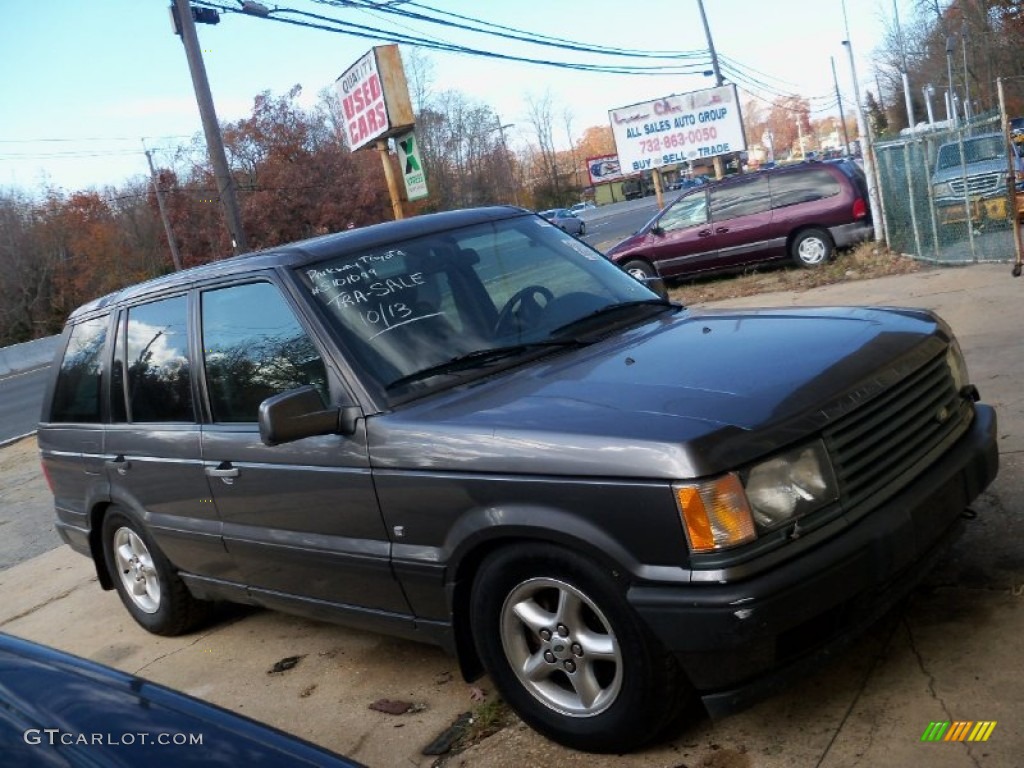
(567, 652)
(644, 272)
(812, 248)
(145, 580)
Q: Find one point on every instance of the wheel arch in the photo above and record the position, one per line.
(485, 538)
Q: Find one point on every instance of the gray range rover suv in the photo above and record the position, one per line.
(473, 429)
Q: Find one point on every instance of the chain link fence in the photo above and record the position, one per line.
(945, 193)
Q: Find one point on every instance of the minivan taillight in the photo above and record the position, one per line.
(860, 208)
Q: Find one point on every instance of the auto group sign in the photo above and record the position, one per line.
(677, 129)
(374, 97)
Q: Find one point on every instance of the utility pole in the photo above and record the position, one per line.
(842, 117)
(718, 74)
(866, 150)
(214, 141)
(175, 256)
(508, 161)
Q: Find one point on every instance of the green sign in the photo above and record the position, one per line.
(412, 166)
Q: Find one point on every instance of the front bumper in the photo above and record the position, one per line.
(739, 641)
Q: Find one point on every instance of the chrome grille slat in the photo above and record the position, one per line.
(870, 422)
(880, 445)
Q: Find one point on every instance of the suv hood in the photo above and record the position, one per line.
(675, 397)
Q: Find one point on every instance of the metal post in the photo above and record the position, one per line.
(950, 47)
(927, 92)
(903, 72)
(876, 209)
(910, 193)
(842, 117)
(214, 141)
(656, 175)
(175, 256)
(967, 81)
(1011, 180)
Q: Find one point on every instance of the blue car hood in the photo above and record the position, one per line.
(674, 397)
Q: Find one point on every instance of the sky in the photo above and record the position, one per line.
(86, 81)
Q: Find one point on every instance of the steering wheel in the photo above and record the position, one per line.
(522, 310)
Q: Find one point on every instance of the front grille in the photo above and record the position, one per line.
(982, 184)
(884, 444)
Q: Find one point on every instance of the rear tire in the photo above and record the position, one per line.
(147, 583)
(812, 248)
(568, 653)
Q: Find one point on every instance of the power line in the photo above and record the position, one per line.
(338, 26)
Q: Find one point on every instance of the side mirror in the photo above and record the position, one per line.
(657, 230)
(300, 413)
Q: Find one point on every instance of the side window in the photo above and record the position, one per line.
(77, 395)
(159, 372)
(803, 187)
(254, 348)
(742, 198)
(688, 211)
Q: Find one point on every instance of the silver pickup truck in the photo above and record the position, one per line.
(978, 179)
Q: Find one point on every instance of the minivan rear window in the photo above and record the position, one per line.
(803, 187)
(77, 397)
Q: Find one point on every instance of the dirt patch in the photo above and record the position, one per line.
(866, 261)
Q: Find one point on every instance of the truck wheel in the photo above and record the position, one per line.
(812, 248)
(567, 652)
(150, 589)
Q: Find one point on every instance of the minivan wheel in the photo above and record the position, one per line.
(567, 652)
(150, 589)
(644, 272)
(813, 247)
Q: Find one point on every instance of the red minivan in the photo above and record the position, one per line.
(803, 212)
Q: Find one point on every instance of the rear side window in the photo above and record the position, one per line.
(159, 372)
(741, 198)
(254, 347)
(77, 395)
(804, 187)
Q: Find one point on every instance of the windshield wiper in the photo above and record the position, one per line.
(477, 358)
(609, 309)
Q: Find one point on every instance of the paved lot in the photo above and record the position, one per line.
(952, 653)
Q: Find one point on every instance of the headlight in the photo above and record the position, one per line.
(957, 366)
(790, 484)
(727, 511)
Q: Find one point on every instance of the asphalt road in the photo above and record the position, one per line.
(609, 224)
(21, 399)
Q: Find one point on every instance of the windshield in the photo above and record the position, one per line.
(418, 304)
(976, 150)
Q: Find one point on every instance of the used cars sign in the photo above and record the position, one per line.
(374, 97)
(677, 129)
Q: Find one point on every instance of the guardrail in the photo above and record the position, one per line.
(28, 355)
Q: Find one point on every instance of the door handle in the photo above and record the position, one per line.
(722, 230)
(704, 233)
(224, 471)
(119, 463)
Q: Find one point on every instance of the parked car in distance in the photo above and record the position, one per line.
(800, 212)
(566, 220)
(471, 429)
(62, 710)
(580, 207)
(977, 179)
